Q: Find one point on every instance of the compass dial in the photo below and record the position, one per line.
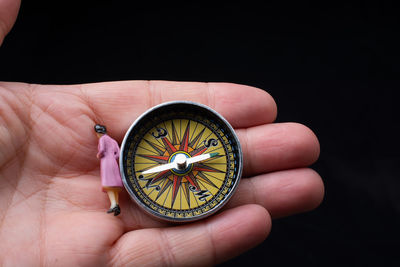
(181, 161)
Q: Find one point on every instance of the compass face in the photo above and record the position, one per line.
(181, 161)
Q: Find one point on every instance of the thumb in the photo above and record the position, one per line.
(8, 14)
(204, 243)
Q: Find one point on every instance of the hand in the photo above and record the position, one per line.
(51, 194)
(52, 208)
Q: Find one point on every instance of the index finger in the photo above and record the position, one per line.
(118, 104)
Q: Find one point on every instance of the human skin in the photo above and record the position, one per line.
(52, 206)
(51, 203)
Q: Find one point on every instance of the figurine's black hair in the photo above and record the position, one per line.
(100, 129)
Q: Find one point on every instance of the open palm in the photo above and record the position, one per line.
(52, 206)
(52, 209)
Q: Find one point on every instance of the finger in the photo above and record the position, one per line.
(277, 146)
(282, 193)
(118, 104)
(198, 244)
(8, 14)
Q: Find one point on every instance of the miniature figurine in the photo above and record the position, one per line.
(109, 171)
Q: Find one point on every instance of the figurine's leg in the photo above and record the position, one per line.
(113, 193)
(113, 198)
(116, 192)
(117, 209)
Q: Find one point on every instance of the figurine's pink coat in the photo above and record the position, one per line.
(109, 154)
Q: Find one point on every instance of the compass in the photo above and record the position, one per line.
(181, 161)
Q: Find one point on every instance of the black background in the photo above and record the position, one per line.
(334, 68)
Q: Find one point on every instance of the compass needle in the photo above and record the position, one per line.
(160, 168)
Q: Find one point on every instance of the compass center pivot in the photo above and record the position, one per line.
(180, 161)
